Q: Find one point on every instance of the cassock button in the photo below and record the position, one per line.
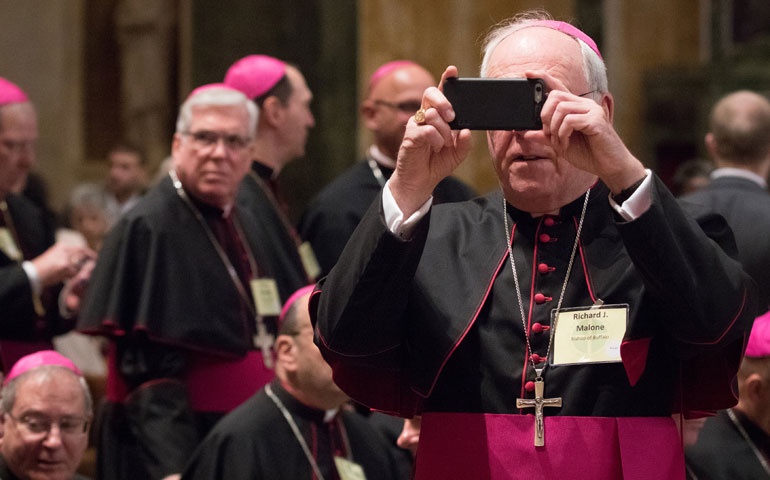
(545, 238)
(549, 222)
(543, 269)
(537, 328)
(540, 298)
(529, 386)
(537, 358)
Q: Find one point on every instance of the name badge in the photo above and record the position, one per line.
(309, 261)
(349, 470)
(265, 293)
(589, 334)
(8, 246)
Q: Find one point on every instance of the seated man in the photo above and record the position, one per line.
(735, 444)
(46, 412)
(298, 426)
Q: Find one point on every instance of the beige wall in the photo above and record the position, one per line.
(638, 36)
(41, 51)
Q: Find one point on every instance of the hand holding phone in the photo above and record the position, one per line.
(496, 103)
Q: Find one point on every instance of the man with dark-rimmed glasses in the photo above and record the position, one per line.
(188, 290)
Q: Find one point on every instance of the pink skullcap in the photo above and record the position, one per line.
(208, 86)
(759, 340)
(388, 68)
(39, 359)
(11, 93)
(256, 74)
(294, 297)
(570, 30)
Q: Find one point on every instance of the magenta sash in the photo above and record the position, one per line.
(496, 447)
(214, 384)
(218, 385)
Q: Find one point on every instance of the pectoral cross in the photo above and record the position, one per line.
(264, 341)
(539, 402)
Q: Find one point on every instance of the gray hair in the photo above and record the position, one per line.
(87, 195)
(593, 67)
(43, 373)
(220, 97)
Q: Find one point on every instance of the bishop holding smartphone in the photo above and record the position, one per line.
(550, 329)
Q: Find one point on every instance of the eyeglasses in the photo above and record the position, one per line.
(409, 106)
(588, 93)
(38, 425)
(207, 139)
(15, 147)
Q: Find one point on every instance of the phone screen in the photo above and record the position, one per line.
(496, 103)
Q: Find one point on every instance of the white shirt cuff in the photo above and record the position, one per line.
(34, 278)
(638, 203)
(394, 217)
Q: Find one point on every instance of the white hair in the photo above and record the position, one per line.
(220, 97)
(593, 67)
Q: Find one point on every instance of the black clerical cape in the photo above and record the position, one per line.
(256, 194)
(443, 333)
(255, 441)
(182, 351)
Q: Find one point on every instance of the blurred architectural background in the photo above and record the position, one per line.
(104, 70)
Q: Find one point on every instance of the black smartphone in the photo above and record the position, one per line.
(496, 103)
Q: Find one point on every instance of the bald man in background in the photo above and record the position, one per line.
(739, 143)
(394, 94)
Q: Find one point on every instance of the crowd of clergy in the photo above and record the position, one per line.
(178, 325)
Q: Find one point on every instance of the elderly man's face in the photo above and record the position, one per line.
(534, 178)
(48, 455)
(212, 158)
(18, 133)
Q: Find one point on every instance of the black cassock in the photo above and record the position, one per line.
(177, 322)
(334, 214)
(255, 441)
(722, 453)
(443, 333)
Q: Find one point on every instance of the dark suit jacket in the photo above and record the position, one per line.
(746, 206)
(18, 320)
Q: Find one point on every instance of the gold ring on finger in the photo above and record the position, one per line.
(419, 116)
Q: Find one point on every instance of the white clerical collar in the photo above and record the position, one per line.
(381, 158)
(739, 172)
(330, 414)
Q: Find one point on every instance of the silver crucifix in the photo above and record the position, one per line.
(264, 341)
(539, 402)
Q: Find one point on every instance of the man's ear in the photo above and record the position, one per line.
(711, 144)
(368, 113)
(608, 104)
(286, 352)
(272, 111)
(754, 385)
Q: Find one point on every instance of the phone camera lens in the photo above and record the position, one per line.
(538, 93)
